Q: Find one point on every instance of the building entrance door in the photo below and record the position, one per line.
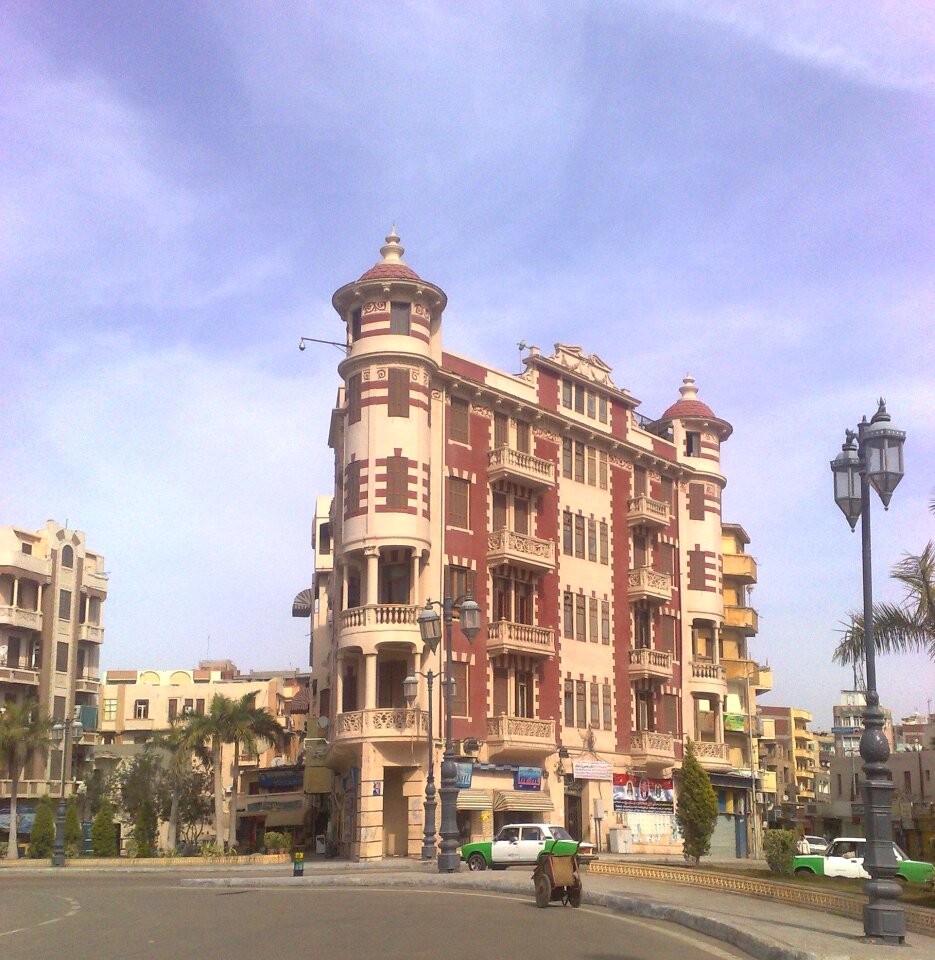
(573, 815)
(395, 820)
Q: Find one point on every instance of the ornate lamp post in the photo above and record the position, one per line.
(875, 459)
(410, 691)
(63, 731)
(430, 628)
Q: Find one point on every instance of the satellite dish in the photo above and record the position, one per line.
(323, 723)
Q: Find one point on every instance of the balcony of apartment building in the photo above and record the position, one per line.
(710, 747)
(514, 733)
(645, 582)
(20, 600)
(19, 661)
(744, 619)
(644, 511)
(706, 675)
(37, 788)
(517, 466)
(652, 748)
(740, 567)
(649, 664)
(510, 542)
(512, 628)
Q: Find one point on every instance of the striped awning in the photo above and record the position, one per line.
(523, 801)
(302, 605)
(474, 800)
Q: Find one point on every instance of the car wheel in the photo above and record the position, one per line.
(804, 872)
(476, 861)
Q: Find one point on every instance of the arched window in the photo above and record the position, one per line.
(68, 556)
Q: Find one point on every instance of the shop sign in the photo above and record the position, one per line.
(527, 778)
(282, 779)
(464, 772)
(592, 770)
(642, 794)
(735, 722)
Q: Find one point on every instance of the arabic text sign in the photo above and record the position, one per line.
(592, 770)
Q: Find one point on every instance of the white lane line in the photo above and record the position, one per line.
(73, 908)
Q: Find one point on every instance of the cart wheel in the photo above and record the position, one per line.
(476, 861)
(543, 891)
(574, 896)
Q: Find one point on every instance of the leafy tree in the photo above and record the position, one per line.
(74, 838)
(24, 731)
(135, 783)
(175, 742)
(696, 810)
(145, 828)
(779, 850)
(210, 731)
(95, 788)
(103, 831)
(194, 803)
(42, 841)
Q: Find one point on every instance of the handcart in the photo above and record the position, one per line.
(557, 875)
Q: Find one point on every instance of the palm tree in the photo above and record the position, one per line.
(250, 725)
(24, 731)
(210, 731)
(177, 744)
(899, 627)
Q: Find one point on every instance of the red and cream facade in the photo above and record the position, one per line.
(590, 536)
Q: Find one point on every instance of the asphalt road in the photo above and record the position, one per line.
(136, 917)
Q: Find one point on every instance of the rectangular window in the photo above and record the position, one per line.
(579, 536)
(61, 657)
(459, 696)
(692, 444)
(605, 621)
(399, 318)
(696, 501)
(499, 511)
(353, 398)
(26, 548)
(568, 619)
(907, 781)
(666, 491)
(521, 516)
(579, 461)
(592, 539)
(501, 690)
(666, 558)
(592, 619)
(522, 602)
(580, 703)
(523, 699)
(605, 542)
(579, 398)
(355, 324)
(569, 703)
(352, 488)
(501, 431)
(397, 483)
(592, 404)
(459, 582)
(522, 436)
(602, 409)
(141, 710)
(602, 469)
(199, 707)
(566, 457)
(696, 570)
(608, 723)
(110, 709)
(639, 550)
(398, 401)
(188, 707)
(592, 466)
(460, 420)
(458, 490)
(642, 629)
(666, 639)
(567, 533)
(670, 714)
(581, 618)
(639, 481)
(502, 598)
(566, 393)
(595, 706)
(64, 604)
(173, 709)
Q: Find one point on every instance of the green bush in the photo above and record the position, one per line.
(779, 850)
(696, 808)
(104, 832)
(145, 829)
(74, 839)
(42, 840)
(273, 840)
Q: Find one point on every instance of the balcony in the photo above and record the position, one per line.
(532, 472)
(91, 632)
(87, 683)
(520, 550)
(712, 755)
(744, 619)
(23, 619)
(18, 672)
(36, 788)
(381, 723)
(648, 584)
(648, 664)
(652, 748)
(707, 677)
(643, 511)
(740, 566)
(519, 738)
(381, 621)
(762, 680)
(505, 637)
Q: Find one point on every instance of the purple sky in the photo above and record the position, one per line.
(735, 189)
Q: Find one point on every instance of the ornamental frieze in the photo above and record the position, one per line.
(374, 306)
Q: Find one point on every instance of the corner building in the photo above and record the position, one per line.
(590, 536)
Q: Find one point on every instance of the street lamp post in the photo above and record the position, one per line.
(754, 763)
(431, 630)
(410, 690)
(63, 731)
(875, 459)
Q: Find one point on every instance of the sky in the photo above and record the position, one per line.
(738, 190)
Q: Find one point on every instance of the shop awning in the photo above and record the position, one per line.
(474, 800)
(523, 801)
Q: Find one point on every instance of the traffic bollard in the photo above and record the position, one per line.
(298, 864)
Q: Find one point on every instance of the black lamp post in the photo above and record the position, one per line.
(62, 732)
(875, 459)
(410, 691)
(430, 628)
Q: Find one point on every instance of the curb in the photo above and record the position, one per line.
(758, 946)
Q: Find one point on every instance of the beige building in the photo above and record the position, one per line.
(592, 538)
(792, 754)
(52, 593)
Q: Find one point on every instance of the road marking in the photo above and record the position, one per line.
(73, 908)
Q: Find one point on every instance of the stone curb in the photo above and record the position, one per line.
(760, 947)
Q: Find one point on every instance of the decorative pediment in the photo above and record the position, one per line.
(585, 365)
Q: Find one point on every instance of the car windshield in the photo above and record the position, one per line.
(560, 833)
(900, 853)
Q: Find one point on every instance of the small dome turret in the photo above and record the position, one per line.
(391, 267)
(689, 407)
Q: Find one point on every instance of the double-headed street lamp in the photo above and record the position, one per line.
(875, 459)
(430, 628)
(410, 692)
(63, 731)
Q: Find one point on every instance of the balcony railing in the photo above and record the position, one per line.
(650, 664)
(381, 723)
(651, 747)
(740, 566)
(18, 671)
(36, 788)
(91, 632)
(380, 615)
(706, 670)
(645, 512)
(648, 584)
(712, 753)
(504, 636)
(520, 550)
(504, 462)
(87, 683)
(744, 619)
(23, 619)
(519, 736)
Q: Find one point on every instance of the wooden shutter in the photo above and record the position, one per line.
(459, 699)
(608, 723)
(566, 457)
(398, 401)
(605, 543)
(501, 691)
(592, 619)
(696, 501)
(522, 436)
(501, 430)
(521, 515)
(352, 488)
(458, 502)
(499, 511)
(397, 483)
(460, 420)
(353, 398)
(399, 318)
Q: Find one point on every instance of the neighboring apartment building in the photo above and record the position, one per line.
(52, 593)
(592, 539)
(848, 723)
(792, 754)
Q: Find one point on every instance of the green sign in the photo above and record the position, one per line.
(735, 722)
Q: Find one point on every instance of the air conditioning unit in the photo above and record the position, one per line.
(468, 747)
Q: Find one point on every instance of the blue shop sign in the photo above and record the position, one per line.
(527, 778)
(463, 774)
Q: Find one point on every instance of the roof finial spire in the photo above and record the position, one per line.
(391, 251)
(688, 390)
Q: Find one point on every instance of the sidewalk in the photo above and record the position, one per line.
(763, 929)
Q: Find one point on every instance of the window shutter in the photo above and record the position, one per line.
(460, 420)
(397, 483)
(353, 398)
(398, 405)
(501, 430)
(522, 436)
(458, 502)
(696, 501)
(399, 318)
